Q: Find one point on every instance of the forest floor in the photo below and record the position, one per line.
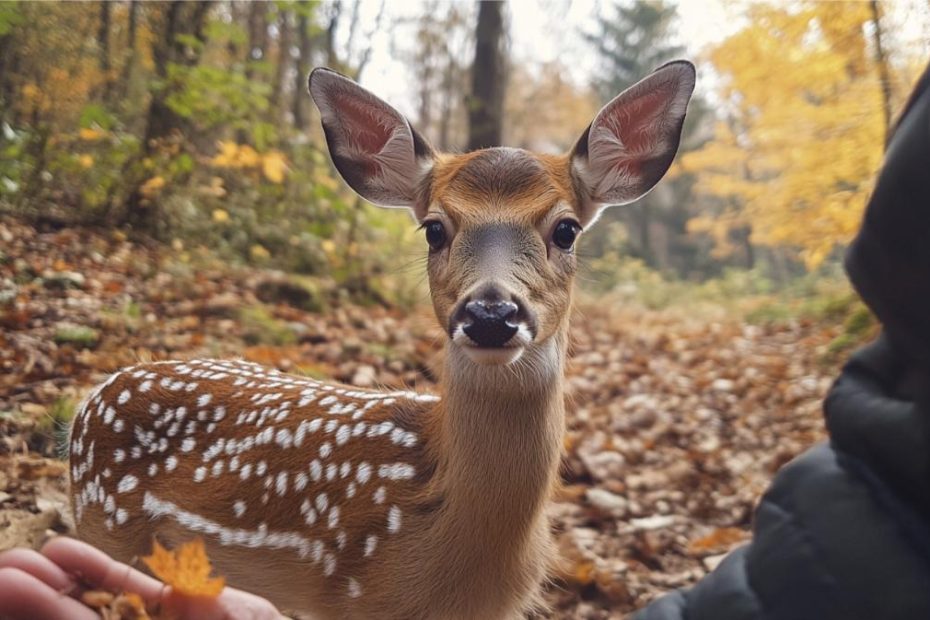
(676, 423)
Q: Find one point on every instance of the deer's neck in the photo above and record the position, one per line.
(501, 433)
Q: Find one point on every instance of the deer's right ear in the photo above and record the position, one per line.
(373, 146)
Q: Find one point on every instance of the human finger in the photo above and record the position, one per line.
(99, 570)
(39, 566)
(25, 597)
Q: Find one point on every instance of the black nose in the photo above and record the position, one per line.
(488, 323)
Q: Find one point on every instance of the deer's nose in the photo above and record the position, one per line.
(489, 322)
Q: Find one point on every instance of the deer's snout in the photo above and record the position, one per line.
(490, 323)
(492, 318)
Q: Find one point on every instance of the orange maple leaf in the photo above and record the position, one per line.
(186, 569)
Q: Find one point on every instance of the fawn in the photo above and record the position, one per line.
(341, 502)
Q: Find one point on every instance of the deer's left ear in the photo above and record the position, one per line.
(633, 139)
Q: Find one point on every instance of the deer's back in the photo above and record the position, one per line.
(277, 473)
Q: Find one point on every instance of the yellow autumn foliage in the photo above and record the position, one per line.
(272, 164)
(152, 187)
(796, 158)
(90, 134)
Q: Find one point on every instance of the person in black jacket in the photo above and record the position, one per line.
(843, 533)
(844, 530)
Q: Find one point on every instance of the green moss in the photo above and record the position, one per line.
(299, 292)
(77, 335)
(259, 326)
(859, 322)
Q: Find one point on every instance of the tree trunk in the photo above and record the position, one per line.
(187, 18)
(882, 61)
(448, 101)
(6, 85)
(161, 119)
(298, 106)
(133, 25)
(131, 55)
(103, 44)
(645, 237)
(332, 61)
(486, 104)
(258, 36)
(284, 57)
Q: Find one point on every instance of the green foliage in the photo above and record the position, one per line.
(96, 115)
(77, 335)
(296, 291)
(260, 326)
(824, 297)
(212, 97)
(10, 17)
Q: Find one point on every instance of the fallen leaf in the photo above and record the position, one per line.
(186, 569)
(720, 539)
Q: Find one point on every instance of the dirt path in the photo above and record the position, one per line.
(676, 426)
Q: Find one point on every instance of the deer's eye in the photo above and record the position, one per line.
(565, 234)
(435, 235)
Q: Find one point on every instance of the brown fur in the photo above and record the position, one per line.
(474, 541)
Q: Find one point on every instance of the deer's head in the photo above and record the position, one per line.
(501, 224)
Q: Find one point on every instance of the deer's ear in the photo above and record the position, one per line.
(373, 146)
(633, 139)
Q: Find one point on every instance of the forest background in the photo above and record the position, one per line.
(165, 191)
(190, 123)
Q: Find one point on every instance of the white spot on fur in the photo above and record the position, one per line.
(127, 484)
(370, 544)
(245, 472)
(394, 519)
(260, 537)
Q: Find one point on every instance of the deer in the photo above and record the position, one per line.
(341, 502)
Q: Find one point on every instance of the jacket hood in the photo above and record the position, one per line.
(889, 260)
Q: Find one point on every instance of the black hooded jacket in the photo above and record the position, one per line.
(843, 533)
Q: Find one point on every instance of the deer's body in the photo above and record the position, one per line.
(350, 503)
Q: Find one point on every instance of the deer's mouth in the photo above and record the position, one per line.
(507, 352)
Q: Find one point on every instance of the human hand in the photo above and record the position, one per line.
(48, 585)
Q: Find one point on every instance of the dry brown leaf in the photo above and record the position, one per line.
(720, 539)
